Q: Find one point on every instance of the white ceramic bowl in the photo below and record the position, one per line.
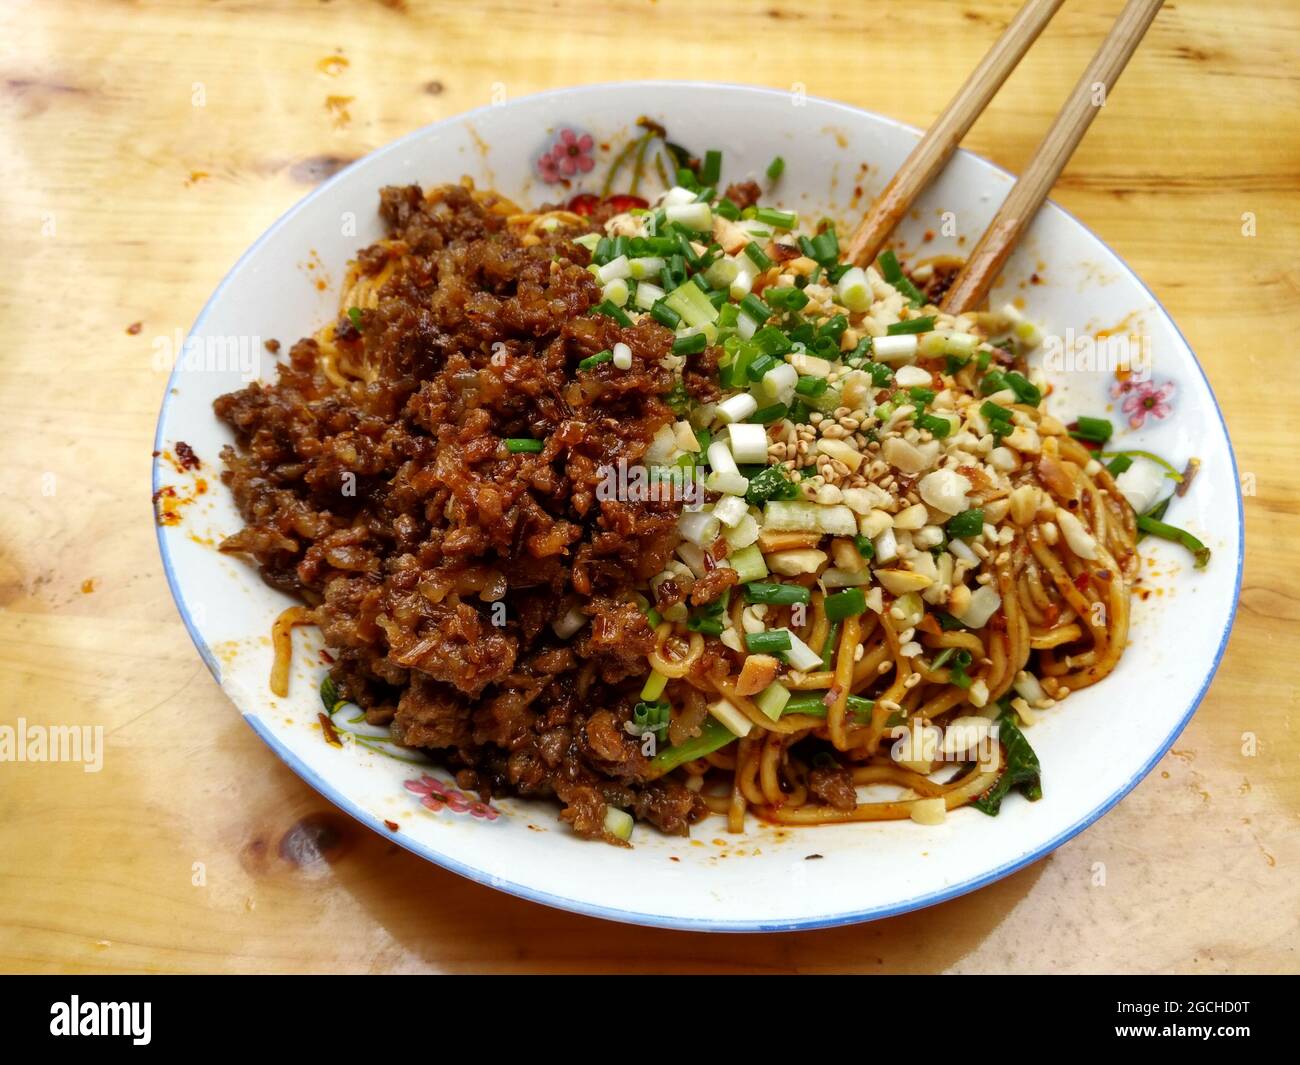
(1094, 747)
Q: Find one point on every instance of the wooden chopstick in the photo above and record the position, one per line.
(972, 284)
(942, 138)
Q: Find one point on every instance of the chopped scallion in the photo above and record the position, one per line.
(845, 604)
(520, 444)
(912, 325)
(777, 594)
(757, 256)
(691, 344)
(711, 170)
(770, 216)
(611, 310)
(766, 642)
(593, 361)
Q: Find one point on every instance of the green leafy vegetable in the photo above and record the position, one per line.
(1022, 769)
(1151, 524)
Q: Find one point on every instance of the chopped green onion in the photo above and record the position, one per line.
(777, 594)
(651, 716)
(811, 386)
(912, 325)
(748, 563)
(760, 365)
(768, 415)
(713, 736)
(881, 375)
(1025, 391)
(893, 273)
(1118, 465)
(1098, 430)
(709, 625)
(772, 699)
(994, 412)
(770, 216)
(692, 304)
(593, 361)
(848, 603)
(665, 315)
(936, 426)
(994, 381)
(772, 341)
(833, 329)
(757, 256)
(787, 299)
(354, 316)
(966, 524)
(610, 310)
(618, 823)
(727, 209)
(957, 671)
(764, 642)
(775, 168)
(520, 444)
(864, 545)
(691, 344)
(755, 308)
(1152, 525)
(823, 248)
(712, 168)
(654, 685)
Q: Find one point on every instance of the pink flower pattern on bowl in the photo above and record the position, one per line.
(1143, 398)
(437, 796)
(572, 154)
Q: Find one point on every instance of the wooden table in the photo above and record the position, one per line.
(125, 201)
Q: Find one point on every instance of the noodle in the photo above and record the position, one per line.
(282, 643)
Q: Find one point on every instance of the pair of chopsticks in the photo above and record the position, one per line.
(928, 158)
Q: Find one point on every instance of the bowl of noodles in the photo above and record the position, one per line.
(576, 515)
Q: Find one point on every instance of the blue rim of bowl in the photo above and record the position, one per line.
(631, 916)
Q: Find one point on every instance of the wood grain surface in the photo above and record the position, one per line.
(143, 146)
